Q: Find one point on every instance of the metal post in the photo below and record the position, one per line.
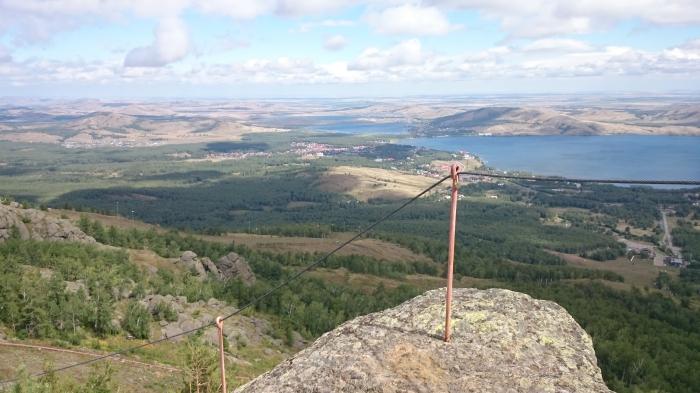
(222, 363)
(454, 172)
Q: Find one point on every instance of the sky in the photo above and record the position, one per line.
(346, 48)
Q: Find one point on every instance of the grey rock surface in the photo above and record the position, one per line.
(210, 267)
(502, 341)
(239, 329)
(190, 260)
(38, 225)
(234, 266)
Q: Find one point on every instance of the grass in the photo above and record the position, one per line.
(640, 274)
(130, 377)
(373, 183)
(374, 248)
(369, 283)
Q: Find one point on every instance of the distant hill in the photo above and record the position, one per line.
(678, 119)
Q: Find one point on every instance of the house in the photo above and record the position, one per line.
(674, 262)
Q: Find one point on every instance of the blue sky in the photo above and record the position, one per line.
(336, 48)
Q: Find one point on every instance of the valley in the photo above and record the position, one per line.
(139, 241)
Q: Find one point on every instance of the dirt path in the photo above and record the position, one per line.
(668, 240)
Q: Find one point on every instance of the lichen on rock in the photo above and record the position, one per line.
(502, 341)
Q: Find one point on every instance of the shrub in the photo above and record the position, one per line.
(137, 320)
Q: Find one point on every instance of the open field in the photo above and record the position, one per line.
(369, 283)
(133, 375)
(640, 274)
(373, 183)
(373, 248)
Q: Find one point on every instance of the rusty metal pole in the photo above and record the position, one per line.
(222, 363)
(454, 172)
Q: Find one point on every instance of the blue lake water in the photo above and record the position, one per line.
(623, 156)
(334, 123)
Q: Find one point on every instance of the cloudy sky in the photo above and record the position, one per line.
(334, 48)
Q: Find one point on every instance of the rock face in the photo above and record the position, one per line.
(210, 266)
(234, 266)
(502, 341)
(37, 225)
(201, 266)
(190, 260)
(239, 330)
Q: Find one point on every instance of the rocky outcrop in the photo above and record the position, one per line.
(234, 266)
(191, 261)
(210, 266)
(239, 330)
(37, 225)
(502, 341)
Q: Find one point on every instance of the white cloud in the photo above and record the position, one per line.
(408, 52)
(405, 61)
(557, 45)
(39, 20)
(248, 9)
(306, 7)
(335, 42)
(540, 18)
(237, 9)
(544, 54)
(171, 44)
(328, 23)
(5, 56)
(411, 20)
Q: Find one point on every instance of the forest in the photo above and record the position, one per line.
(646, 338)
(645, 341)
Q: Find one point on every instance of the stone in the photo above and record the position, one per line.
(502, 341)
(190, 260)
(234, 266)
(188, 256)
(38, 225)
(210, 267)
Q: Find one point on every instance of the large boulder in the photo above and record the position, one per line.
(502, 341)
(200, 266)
(190, 260)
(37, 225)
(234, 266)
(210, 266)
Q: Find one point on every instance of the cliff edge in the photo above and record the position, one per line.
(502, 341)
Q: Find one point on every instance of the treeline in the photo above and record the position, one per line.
(312, 306)
(171, 244)
(637, 205)
(643, 341)
(168, 244)
(33, 305)
(226, 204)
(470, 261)
(688, 238)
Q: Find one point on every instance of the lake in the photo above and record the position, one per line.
(333, 123)
(617, 156)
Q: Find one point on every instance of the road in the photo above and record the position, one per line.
(668, 240)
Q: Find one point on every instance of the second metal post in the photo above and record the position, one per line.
(454, 172)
